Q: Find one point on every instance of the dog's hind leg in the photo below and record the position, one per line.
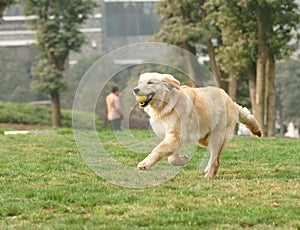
(177, 160)
(216, 143)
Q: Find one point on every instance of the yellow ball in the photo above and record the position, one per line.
(140, 99)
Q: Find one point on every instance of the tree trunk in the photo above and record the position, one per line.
(265, 85)
(213, 64)
(263, 51)
(260, 92)
(232, 87)
(266, 98)
(212, 57)
(271, 96)
(55, 107)
(252, 89)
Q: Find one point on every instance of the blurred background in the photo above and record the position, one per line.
(250, 47)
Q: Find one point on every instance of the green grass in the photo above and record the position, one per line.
(45, 184)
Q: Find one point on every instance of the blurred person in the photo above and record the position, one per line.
(114, 110)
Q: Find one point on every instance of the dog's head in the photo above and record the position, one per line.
(154, 86)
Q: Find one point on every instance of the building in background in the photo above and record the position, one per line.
(114, 24)
(15, 36)
(128, 22)
(18, 52)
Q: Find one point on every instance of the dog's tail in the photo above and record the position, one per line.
(249, 120)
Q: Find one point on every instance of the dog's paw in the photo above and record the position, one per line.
(144, 165)
(209, 176)
(211, 173)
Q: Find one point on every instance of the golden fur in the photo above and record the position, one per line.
(180, 114)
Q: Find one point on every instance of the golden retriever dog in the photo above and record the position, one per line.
(179, 114)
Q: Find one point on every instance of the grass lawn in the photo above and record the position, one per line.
(45, 184)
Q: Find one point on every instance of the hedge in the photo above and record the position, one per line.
(15, 113)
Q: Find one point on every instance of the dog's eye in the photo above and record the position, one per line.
(150, 83)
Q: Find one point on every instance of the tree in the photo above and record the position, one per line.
(274, 34)
(183, 25)
(255, 33)
(250, 35)
(57, 33)
(3, 5)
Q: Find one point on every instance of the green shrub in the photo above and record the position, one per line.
(14, 113)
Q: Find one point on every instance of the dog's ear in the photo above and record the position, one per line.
(172, 82)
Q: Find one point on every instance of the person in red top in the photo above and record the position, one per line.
(114, 111)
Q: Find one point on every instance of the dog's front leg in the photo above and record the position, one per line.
(167, 147)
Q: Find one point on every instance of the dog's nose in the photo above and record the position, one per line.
(136, 90)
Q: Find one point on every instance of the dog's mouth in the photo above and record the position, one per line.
(144, 100)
